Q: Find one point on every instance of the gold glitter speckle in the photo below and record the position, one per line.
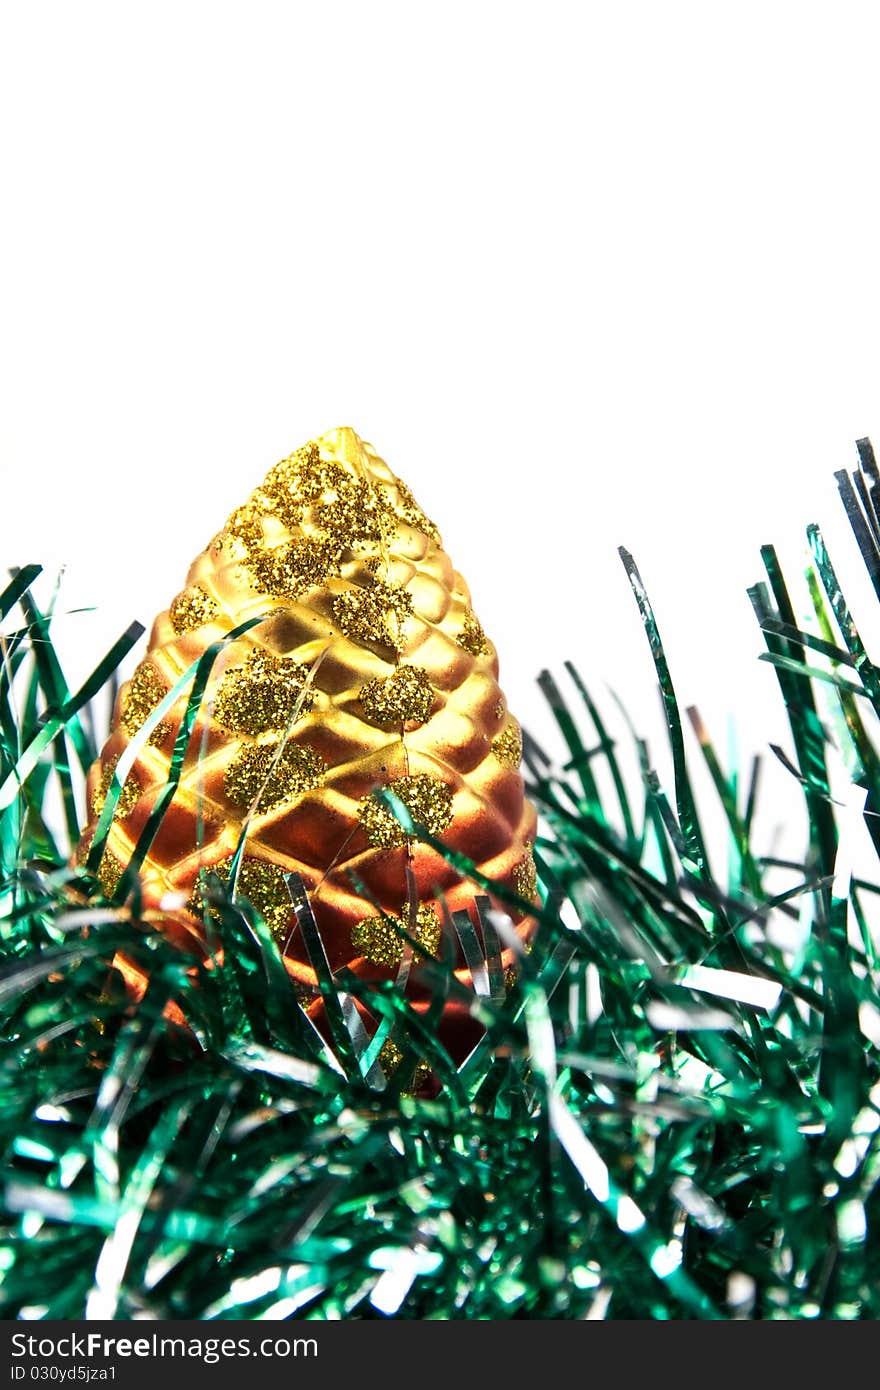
(525, 876)
(297, 770)
(191, 609)
(377, 939)
(245, 525)
(428, 800)
(421, 1077)
(264, 885)
(128, 797)
(354, 512)
(472, 637)
(261, 695)
(409, 509)
(377, 614)
(110, 870)
(390, 1057)
(507, 747)
(376, 567)
(351, 510)
(282, 486)
(406, 695)
(289, 570)
(144, 693)
(279, 497)
(318, 480)
(288, 471)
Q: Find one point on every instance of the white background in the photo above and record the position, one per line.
(584, 274)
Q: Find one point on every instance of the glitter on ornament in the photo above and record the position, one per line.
(279, 498)
(525, 876)
(390, 1057)
(357, 513)
(128, 796)
(410, 511)
(244, 529)
(146, 690)
(404, 696)
(262, 694)
(377, 614)
(508, 747)
(288, 571)
(428, 800)
(109, 871)
(378, 940)
(261, 770)
(263, 884)
(192, 608)
(347, 579)
(472, 637)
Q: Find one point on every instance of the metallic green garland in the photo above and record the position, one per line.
(674, 1112)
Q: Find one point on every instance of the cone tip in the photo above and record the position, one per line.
(342, 439)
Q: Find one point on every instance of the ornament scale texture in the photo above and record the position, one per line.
(370, 670)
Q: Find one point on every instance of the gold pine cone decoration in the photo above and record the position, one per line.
(370, 670)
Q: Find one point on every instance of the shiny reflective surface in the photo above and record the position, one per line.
(370, 670)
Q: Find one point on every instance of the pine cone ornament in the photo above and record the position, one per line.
(368, 670)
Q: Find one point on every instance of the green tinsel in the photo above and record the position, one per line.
(673, 1114)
